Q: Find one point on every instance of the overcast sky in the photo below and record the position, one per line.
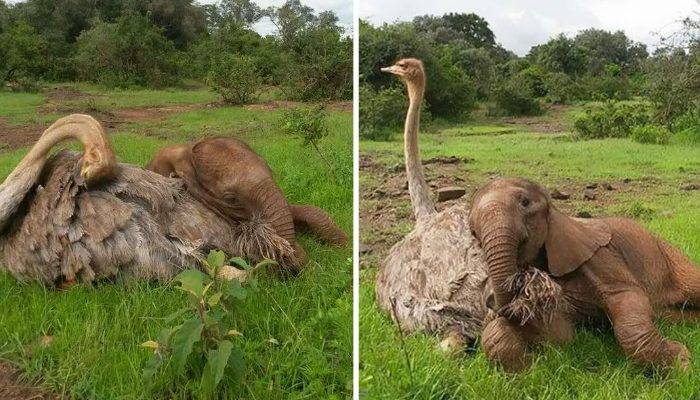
(520, 24)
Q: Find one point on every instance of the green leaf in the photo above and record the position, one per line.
(172, 317)
(166, 333)
(265, 264)
(216, 363)
(216, 259)
(151, 367)
(192, 281)
(183, 341)
(236, 364)
(234, 289)
(240, 262)
(214, 299)
(234, 332)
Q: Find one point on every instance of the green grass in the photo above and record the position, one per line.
(593, 365)
(98, 329)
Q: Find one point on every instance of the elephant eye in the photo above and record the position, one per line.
(524, 201)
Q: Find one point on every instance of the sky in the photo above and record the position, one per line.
(521, 24)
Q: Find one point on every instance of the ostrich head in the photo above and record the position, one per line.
(97, 164)
(410, 70)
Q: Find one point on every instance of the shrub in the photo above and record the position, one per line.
(235, 77)
(130, 51)
(309, 124)
(559, 87)
(612, 119)
(203, 344)
(651, 134)
(381, 112)
(514, 97)
(686, 128)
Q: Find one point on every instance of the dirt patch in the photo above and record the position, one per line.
(12, 388)
(272, 105)
(341, 106)
(551, 122)
(16, 136)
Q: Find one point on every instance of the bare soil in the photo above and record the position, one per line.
(551, 122)
(12, 387)
(385, 209)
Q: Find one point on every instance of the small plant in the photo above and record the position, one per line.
(639, 211)
(236, 78)
(612, 119)
(203, 337)
(651, 134)
(309, 124)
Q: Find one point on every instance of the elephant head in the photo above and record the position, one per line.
(517, 226)
(227, 175)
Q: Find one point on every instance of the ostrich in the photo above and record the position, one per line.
(83, 217)
(433, 279)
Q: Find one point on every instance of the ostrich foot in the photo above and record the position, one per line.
(452, 343)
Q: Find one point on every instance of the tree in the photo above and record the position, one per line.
(470, 28)
(23, 51)
(604, 47)
(560, 54)
(290, 19)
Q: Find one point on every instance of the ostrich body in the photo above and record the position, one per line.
(84, 217)
(433, 279)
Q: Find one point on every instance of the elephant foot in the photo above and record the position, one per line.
(452, 343)
(678, 355)
(504, 345)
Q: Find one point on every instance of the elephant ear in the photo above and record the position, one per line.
(571, 242)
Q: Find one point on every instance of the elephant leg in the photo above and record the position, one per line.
(505, 344)
(559, 330)
(680, 315)
(633, 322)
(317, 221)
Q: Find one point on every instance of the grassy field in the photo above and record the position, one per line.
(97, 329)
(646, 179)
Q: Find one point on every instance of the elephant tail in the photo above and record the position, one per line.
(315, 220)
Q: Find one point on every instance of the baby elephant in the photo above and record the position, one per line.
(610, 267)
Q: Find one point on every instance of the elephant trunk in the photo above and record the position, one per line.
(274, 209)
(500, 246)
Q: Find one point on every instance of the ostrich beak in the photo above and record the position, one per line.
(393, 70)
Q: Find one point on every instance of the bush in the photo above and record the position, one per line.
(514, 97)
(559, 87)
(130, 51)
(236, 78)
(650, 134)
(686, 128)
(612, 119)
(381, 112)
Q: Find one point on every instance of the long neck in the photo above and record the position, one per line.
(27, 172)
(417, 186)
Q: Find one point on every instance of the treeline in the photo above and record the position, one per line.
(466, 67)
(156, 43)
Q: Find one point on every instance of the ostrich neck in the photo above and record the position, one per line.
(27, 172)
(417, 186)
